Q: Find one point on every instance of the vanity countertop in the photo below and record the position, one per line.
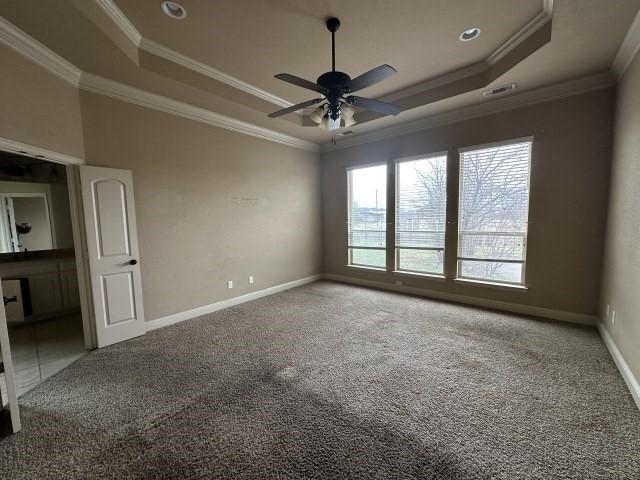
(19, 257)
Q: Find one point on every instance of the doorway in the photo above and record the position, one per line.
(40, 282)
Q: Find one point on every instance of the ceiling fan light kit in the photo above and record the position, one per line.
(335, 89)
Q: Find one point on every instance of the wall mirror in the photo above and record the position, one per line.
(26, 225)
(34, 207)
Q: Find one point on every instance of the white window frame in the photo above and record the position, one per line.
(350, 248)
(396, 247)
(523, 262)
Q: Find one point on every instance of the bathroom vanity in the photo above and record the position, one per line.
(39, 285)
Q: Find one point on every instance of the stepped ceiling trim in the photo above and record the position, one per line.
(535, 34)
(27, 46)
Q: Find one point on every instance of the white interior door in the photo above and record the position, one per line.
(112, 247)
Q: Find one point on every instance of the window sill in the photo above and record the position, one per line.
(483, 283)
(429, 276)
(372, 269)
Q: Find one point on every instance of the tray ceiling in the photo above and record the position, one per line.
(251, 40)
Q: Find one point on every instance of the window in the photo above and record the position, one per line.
(421, 213)
(493, 212)
(367, 223)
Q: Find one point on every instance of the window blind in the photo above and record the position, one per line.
(367, 218)
(493, 212)
(421, 211)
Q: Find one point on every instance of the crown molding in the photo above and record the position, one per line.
(521, 35)
(152, 47)
(124, 24)
(628, 49)
(17, 40)
(544, 16)
(161, 51)
(531, 97)
(110, 88)
(121, 20)
(9, 145)
(39, 54)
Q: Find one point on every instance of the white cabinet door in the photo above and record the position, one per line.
(70, 289)
(46, 295)
(112, 244)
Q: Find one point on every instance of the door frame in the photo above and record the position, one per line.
(77, 223)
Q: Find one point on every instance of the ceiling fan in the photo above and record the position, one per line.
(336, 88)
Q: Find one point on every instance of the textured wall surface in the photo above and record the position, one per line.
(622, 261)
(212, 205)
(38, 108)
(568, 202)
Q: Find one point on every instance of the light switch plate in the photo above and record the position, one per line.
(230, 284)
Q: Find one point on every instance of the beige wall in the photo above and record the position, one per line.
(621, 285)
(38, 108)
(569, 188)
(212, 205)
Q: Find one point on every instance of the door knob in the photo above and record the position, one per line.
(132, 262)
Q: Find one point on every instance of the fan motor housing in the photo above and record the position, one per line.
(333, 80)
(334, 84)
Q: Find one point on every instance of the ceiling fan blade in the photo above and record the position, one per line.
(298, 82)
(374, 105)
(371, 77)
(294, 108)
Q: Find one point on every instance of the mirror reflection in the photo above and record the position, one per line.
(35, 207)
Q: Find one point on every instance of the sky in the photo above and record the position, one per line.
(369, 182)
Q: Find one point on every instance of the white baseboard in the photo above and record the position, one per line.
(214, 307)
(625, 371)
(450, 297)
(564, 316)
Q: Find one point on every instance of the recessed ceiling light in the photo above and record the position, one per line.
(470, 34)
(173, 10)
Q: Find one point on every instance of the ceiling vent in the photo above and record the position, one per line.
(348, 132)
(503, 90)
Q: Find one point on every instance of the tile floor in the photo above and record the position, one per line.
(42, 349)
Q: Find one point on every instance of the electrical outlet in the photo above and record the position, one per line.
(251, 279)
(230, 284)
(613, 317)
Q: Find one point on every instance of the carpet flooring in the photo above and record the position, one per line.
(330, 381)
